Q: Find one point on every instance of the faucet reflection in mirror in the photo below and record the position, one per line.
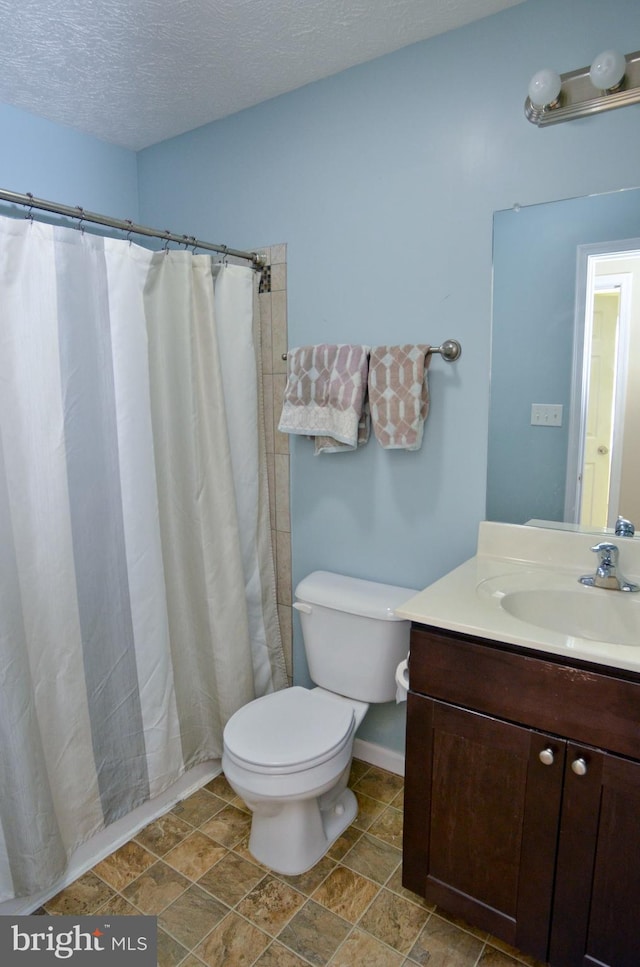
(624, 528)
(612, 80)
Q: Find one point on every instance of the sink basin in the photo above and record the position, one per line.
(595, 614)
(559, 603)
(522, 588)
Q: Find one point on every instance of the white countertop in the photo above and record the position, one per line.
(468, 599)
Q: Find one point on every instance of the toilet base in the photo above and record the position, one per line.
(292, 838)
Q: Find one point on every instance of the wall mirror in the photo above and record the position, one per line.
(557, 267)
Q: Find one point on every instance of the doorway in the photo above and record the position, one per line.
(596, 491)
(607, 325)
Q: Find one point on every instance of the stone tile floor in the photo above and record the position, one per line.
(218, 906)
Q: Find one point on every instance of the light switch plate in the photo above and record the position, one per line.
(546, 414)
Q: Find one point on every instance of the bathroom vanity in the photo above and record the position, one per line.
(522, 778)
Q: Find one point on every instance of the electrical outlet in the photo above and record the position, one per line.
(546, 414)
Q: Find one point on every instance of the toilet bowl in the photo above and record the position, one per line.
(288, 754)
(298, 796)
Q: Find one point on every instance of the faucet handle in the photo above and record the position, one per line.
(624, 527)
(605, 547)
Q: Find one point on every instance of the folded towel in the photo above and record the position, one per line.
(399, 395)
(325, 393)
(327, 444)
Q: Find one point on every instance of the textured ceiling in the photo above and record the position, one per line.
(135, 72)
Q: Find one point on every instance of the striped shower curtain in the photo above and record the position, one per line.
(137, 603)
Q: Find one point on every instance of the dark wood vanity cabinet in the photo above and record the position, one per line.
(522, 797)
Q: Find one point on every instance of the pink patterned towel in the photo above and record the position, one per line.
(399, 395)
(327, 444)
(325, 394)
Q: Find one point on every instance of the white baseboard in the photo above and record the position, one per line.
(378, 755)
(117, 834)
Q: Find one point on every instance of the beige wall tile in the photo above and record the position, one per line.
(278, 253)
(278, 277)
(264, 301)
(271, 478)
(283, 546)
(285, 614)
(279, 330)
(267, 392)
(274, 340)
(283, 516)
(281, 440)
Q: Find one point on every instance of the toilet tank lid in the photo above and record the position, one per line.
(353, 595)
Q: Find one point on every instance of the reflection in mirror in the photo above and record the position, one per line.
(603, 475)
(594, 480)
(542, 269)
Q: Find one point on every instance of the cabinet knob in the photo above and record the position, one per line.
(546, 756)
(579, 766)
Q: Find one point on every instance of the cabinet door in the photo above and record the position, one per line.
(481, 819)
(597, 906)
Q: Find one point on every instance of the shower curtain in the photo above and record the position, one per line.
(137, 602)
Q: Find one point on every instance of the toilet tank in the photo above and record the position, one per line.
(352, 638)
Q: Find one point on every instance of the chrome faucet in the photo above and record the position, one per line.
(606, 575)
(624, 528)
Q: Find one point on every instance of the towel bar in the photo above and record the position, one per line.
(449, 350)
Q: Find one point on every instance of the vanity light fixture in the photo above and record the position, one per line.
(612, 80)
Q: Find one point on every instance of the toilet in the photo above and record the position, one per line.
(288, 754)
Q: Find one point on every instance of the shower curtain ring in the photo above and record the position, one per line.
(80, 218)
(130, 224)
(29, 214)
(166, 242)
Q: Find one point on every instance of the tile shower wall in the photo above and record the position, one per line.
(273, 321)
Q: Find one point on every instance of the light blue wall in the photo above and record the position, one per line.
(535, 259)
(383, 180)
(60, 164)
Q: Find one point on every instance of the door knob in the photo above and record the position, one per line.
(546, 756)
(603, 449)
(579, 766)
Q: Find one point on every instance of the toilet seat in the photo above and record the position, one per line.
(288, 731)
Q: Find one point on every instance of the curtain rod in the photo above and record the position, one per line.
(124, 225)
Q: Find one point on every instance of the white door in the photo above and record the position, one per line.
(596, 468)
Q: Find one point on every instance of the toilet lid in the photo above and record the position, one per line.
(289, 731)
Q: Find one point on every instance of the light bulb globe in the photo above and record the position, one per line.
(544, 87)
(607, 70)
